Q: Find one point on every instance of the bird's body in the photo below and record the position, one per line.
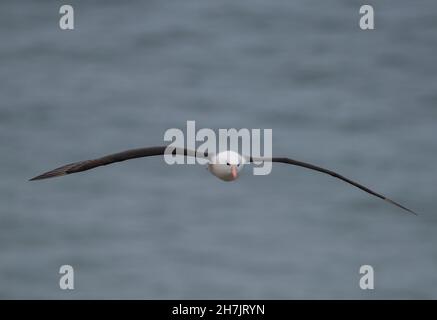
(225, 165)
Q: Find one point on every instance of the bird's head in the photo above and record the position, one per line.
(226, 165)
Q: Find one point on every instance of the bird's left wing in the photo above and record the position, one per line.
(334, 174)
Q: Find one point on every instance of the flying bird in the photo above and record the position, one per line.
(224, 165)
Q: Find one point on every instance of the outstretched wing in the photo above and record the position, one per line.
(334, 174)
(116, 157)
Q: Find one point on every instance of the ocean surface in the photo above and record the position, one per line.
(363, 103)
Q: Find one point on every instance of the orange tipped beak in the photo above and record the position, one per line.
(234, 172)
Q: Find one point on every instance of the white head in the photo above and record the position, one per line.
(226, 165)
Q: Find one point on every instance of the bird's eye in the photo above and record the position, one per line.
(238, 164)
(227, 163)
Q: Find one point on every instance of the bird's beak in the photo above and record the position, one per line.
(234, 172)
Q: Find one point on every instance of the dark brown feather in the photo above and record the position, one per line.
(112, 158)
(334, 174)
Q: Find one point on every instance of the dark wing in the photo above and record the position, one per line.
(334, 174)
(116, 157)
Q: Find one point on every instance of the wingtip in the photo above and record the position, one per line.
(47, 175)
(415, 213)
(401, 206)
(411, 211)
(40, 177)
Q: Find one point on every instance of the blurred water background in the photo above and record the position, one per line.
(363, 103)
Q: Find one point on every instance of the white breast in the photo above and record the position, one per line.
(222, 164)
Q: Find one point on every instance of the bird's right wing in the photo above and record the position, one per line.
(117, 157)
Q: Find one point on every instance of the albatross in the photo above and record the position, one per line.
(224, 165)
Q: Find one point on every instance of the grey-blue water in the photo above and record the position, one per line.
(363, 103)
